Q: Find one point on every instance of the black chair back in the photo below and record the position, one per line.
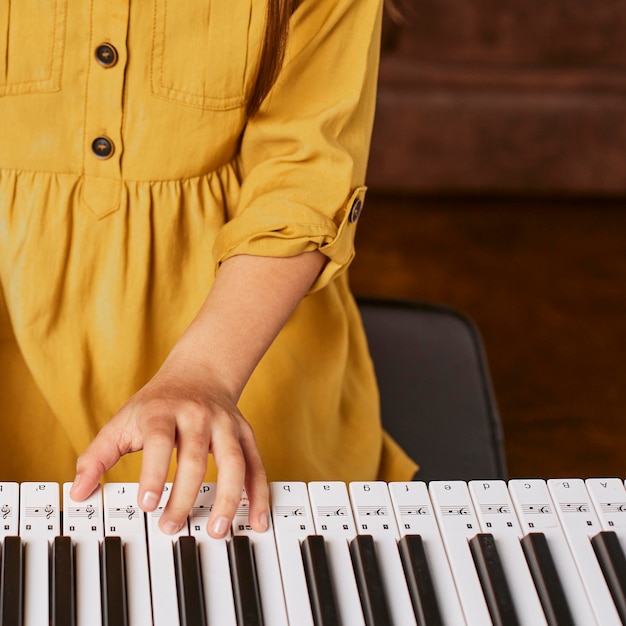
(436, 395)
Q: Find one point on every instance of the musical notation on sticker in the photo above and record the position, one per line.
(372, 511)
(574, 507)
(202, 510)
(536, 509)
(495, 509)
(414, 510)
(332, 511)
(130, 512)
(243, 509)
(455, 510)
(289, 511)
(89, 512)
(47, 511)
(613, 507)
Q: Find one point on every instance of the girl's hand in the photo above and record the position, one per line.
(179, 408)
(191, 403)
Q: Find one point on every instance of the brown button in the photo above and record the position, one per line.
(102, 147)
(106, 55)
(355, 211)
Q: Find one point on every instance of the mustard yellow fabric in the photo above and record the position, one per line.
(103, 262)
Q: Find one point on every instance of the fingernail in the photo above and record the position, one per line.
(170, 528)
(220, 526)
(263, 521)
(150, 500)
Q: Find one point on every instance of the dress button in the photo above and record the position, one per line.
(106, 55)
(102, 147)
(355, 211)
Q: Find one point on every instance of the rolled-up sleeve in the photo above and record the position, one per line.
(303, 157)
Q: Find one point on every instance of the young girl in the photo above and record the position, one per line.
(179, 192)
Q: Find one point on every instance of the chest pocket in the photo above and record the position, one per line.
(32, 37)
(200, 52)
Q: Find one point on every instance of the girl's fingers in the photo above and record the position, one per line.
(239, 463)
(159, 439)
(102, 454)
(192, 453)
(231, 466)
(256, 482)
(230, 439)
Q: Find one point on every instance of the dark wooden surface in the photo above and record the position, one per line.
(545, 282)
(522, 97)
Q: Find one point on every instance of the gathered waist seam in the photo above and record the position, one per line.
(122, 180)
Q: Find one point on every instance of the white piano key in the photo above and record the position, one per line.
(161, 556)
(536, 513)
(580, 523)
(608, 496)
(291, 514)
(458, 524)
(373, 513)
(496, 515)
(84, 523)
(414, 514)
(39, 525)
(216, 582)
(267, 566)
(124, 519)
(332, 514)
(9, 509)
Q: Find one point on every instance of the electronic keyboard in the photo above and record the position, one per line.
(487, 552)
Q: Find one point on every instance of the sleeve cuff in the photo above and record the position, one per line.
(298, 229)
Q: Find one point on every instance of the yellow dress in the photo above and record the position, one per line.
(129, 172)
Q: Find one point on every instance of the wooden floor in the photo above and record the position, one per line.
(545, 282)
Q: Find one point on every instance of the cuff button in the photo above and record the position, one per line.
(355, 211)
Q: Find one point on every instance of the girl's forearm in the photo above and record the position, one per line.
(250, 301)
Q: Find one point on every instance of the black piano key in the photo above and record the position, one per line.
(189, 583)
(493, 580)
(62, 603)
(613, 564)
(319, 582)
(419, 580)
(113, 578)
(369, 581)
(546, 580)
(245, 588)
(12, 582)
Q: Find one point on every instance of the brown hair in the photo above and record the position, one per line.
(273, 52)
(277, 19)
